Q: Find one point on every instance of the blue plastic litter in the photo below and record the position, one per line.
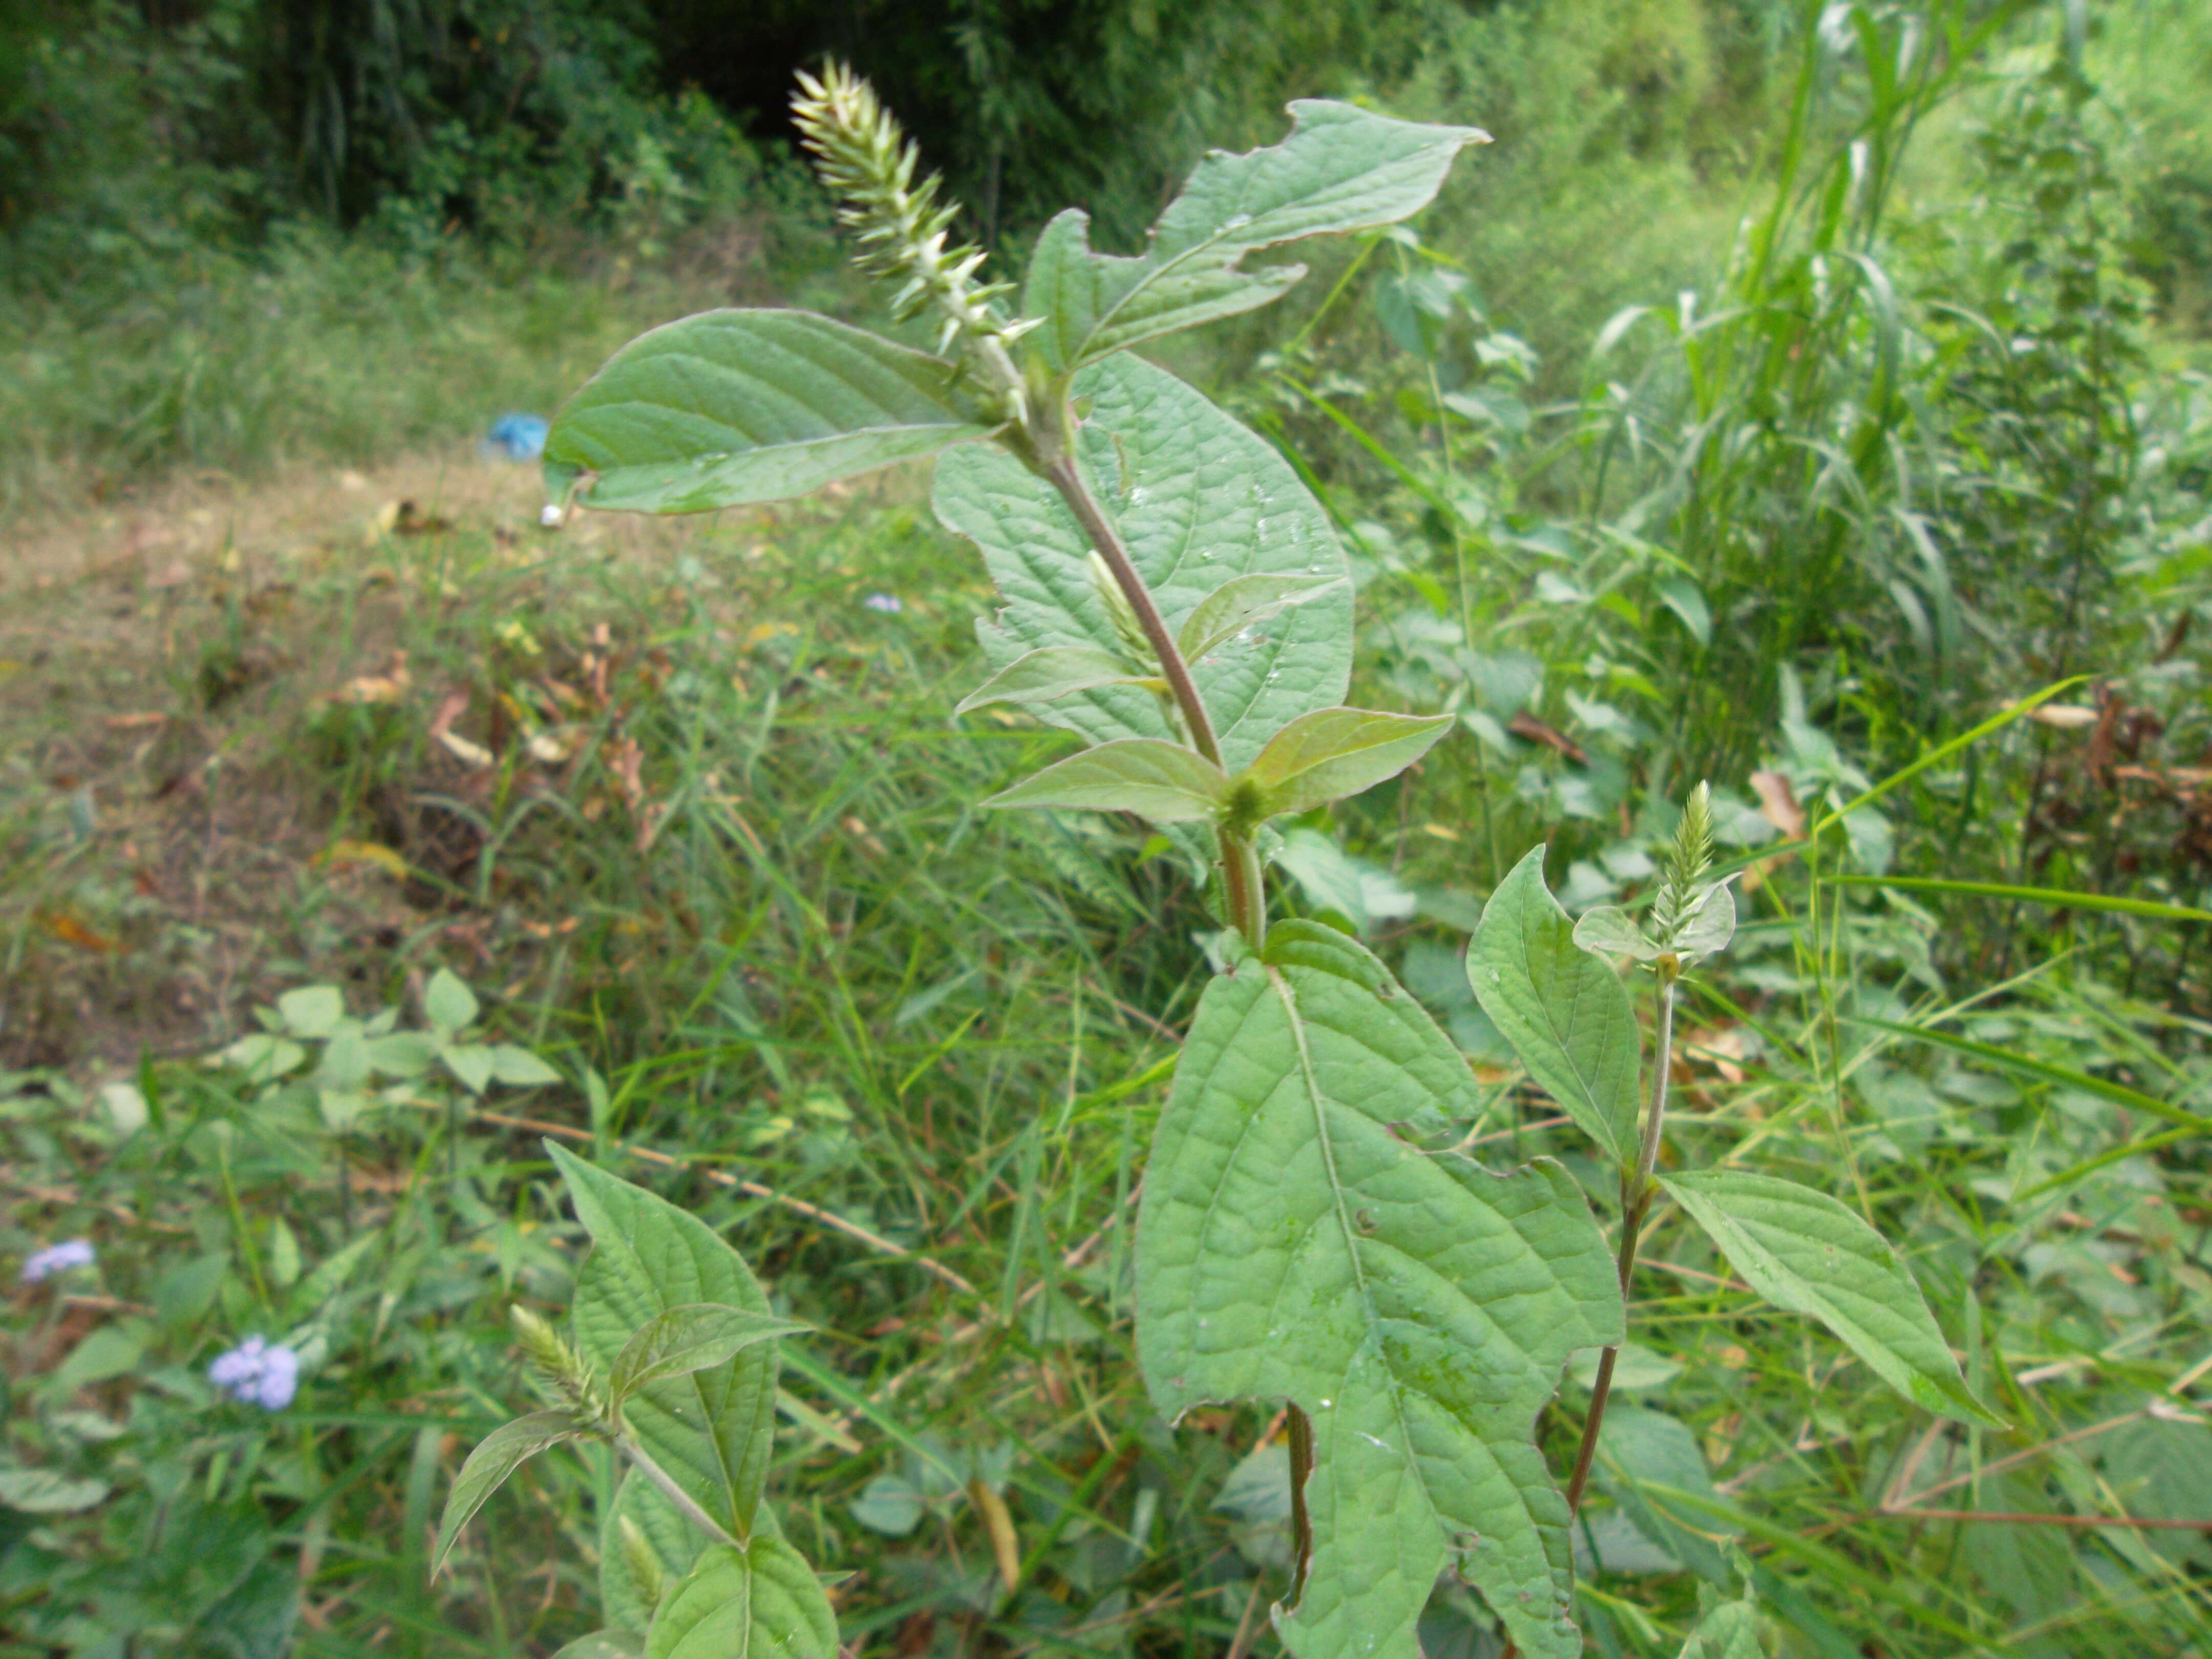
(517, 437)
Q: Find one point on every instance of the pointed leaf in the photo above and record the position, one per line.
(1806, 1252)
(1236, 605)
(1164, 781)
(690, 1339)
(750, 1604)
(710, 1429)
(519, 1068)
(1728, 1630)
(1341, 169)
(1608, 930)
(1637, 1446)
(44, 1491)
(1335, 752)
(501, 1452)
(605, 1645)
(1197, 499)
(735, 406)
(1293, 1244)
(1566, 1013)
(1709, 929)
(449, 1003)
(1048, 675)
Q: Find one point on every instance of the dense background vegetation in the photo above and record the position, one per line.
(1785, 392)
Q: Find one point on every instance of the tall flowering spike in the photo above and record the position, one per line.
(1688, 861)
(864, 158)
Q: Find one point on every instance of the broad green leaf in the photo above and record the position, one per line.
(1335, 752)
(690, 1339)
(1198, 500)
(313, 1011)
(1341, 169)
(43, 1491)
(605, 1645)
(501, 1452)
(711, 1429)
(471, 1062)
(672, 1540)
(1806, 1252)
(1637, 1446)
(1728, 1630)
(750, 1604)
(1164, 781)
(1294, 1243)
(1244, 603)
(520, 1069)
(729, 407)
(1048, 675)
(1565, 1012)
(449, 1003)
(1609, 931)
(1710, 928)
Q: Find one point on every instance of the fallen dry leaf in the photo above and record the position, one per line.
(2066, 716)
(1777, 804)
(131, 722)
(68, 929)
(346, 854)
(467, 752)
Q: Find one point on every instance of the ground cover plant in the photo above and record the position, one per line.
(687, 805)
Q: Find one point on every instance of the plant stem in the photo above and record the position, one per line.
(685, 1504)
(1242, 880)
(1063, 473)
(1635, 1192)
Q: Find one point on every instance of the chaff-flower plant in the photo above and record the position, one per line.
(1174, 595)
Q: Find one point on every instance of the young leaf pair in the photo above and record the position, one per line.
(674, 1365)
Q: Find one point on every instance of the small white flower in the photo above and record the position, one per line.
(889, 603)
(58, 1258)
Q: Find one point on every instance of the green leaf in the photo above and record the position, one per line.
(1639, 1446)
(1335, 752)
(1198, 500)
(1806, 1252)
(1565, 1012)
(2041, 1072)
(501, 1452)
(1609, 931)
(520, 1069)
(1341, 169)
(605, 1645)
(1048, 675)
(1293, 1242)
(471, 1062)
(1709, 928)
(449, 1003)
(42, 1491)
(735, 406)
(1728, 1630)
(888, 1504)
(313, 1011)
(747, 1604)
(687, 1339)
(710, 1430)
(1164, 781)
(1243, 603)
(671, 1539)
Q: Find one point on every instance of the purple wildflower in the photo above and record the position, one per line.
(56, 1258)
(256, 1374)
(889, 603)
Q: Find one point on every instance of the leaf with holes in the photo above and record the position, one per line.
(1342, 168)
(1164, 781)
(710, 1430)
(745, 1604)
(1807, 1253)
(729, 407)
(1294, 1243)
(1335, 752)
(1199, 501)
(1565, 1012)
